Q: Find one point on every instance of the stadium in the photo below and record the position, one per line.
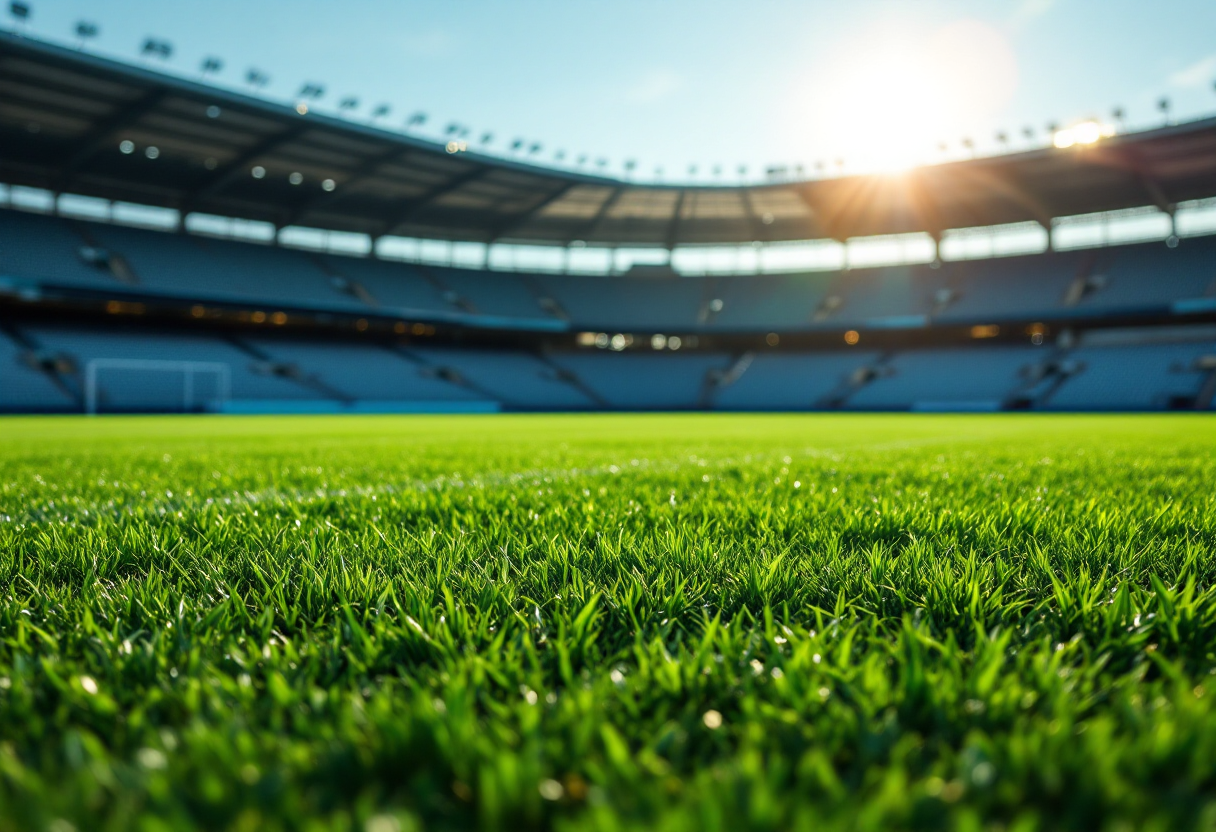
(352, 478)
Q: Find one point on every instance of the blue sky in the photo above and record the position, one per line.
(675, 83)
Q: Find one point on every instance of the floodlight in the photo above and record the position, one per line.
(416, 119)
(20, 11)
(559, 156)
(486, 138)
(381, 110)
(516, 145)
(256, 78)
(159, 48)
(535, 148)
(452, 128)
(86, 29)
(348, 103)
(212, 64)
(1087, 132)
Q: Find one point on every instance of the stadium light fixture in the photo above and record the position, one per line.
(19, 11)
(348, 103)
(452, 129)
(312, 90)
(1085, 133)
(86, 30)
(601, 163)
(416, 120)
(153, 47)
(535, 148)
(692, 170)
(517, 145)
(210, 65)
(256, 78)
(381, 111)
(487, 137)
(582, 159)
(1163, 104)
(559, 156)
(1118, 115)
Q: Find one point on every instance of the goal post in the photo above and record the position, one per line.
(186, 369)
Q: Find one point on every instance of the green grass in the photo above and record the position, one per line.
(608, 622)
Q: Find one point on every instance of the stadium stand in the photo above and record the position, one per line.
(641, 381)
(1141, 377)
(45, 365)
(792, 381)
(105, 316)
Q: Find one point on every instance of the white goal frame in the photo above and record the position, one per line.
(188, 369)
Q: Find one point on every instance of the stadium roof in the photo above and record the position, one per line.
(64, 114)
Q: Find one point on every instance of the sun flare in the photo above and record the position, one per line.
(892, 103)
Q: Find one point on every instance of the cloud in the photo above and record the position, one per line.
(653, 87)
(1197, 74)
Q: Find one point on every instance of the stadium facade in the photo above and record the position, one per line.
(99, 315)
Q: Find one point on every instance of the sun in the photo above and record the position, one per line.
(888, 101)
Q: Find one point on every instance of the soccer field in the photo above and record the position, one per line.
(608, 622)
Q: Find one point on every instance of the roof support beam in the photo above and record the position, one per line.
(672, 236)
(234, 169)
(362, 173)
(103, 132)
(414, 207)
(754, 223)
(1157, 194)
(527, 216)
(593, 224)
